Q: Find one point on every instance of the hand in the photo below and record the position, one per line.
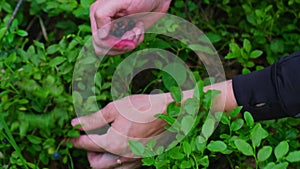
(107, 160)
(103, 12)
(131, 118)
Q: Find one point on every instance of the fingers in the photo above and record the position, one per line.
(88, 142)
(113, 142)
(98, 119)
(115, 46)
(136, 34)
(102, 14)
(106, 160)
(102, 160)
(131, 165)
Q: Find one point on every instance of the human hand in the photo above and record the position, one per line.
(103, 12)
(107, 160)
(131, 118)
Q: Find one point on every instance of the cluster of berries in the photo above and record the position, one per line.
(122, 26)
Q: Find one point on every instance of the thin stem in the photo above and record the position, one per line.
(14, 13)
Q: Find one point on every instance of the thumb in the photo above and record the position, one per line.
(103, 14)
(96, 120)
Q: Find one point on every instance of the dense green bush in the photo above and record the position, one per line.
(39, 48)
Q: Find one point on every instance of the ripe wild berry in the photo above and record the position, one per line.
(5, 141)
(121, 27)
(56, 155)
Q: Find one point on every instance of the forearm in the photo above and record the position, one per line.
(225, 101)
(271, 93)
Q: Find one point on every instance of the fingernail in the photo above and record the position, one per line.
(103, 32)
(74, 122)
(138, 31)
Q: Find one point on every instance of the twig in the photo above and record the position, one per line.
(14, 13)
(44, 31)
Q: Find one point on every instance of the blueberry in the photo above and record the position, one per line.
(5, 141)
(119, 33)
(120, 24)
(131, 25)
(121, 27)
(56, 155)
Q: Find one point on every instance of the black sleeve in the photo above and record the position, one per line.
(273, 92)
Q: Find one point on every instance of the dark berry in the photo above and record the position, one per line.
(118, 33)
(121, 27)
(120, 24)
(56, 155)
(131, 25)
(5, 141)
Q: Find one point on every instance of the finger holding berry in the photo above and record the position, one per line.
(111, 38)
(125, 35)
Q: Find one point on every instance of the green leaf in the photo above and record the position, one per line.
(257, 134)
(204, 161)
(173, 109)
(6, 7)
(216, 146)
(73, 134)
(270, 165)
(245, 71)
(157, 42)
(136, 147)
(281, 150)
(56, 61)
(23, 128)
(208, 128)
(230, 56)
(235, 49)
(174, 74)
(244, 147)
(249, 119)
(233, 113)
(186, 164)
(247, 45)
(52, 49)
(176, 93)
(224, 119)
(277, 46)
(249, 64)
(77, 98)
(237, 124)
(255, 54)
(283, 165)
(187, 123)
(187, 149)
(87, 60)
(22, 33)
(148, 161)
(191, 106)
(213, 37)
(176, 154)
(293, 157)
(202, 48)
(170, 120)
(34, 139)
(39, 44)
(151, 143)
(264, 153)
(2, 32)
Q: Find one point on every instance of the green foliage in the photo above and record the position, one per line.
(244, 55)
(38, 51)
